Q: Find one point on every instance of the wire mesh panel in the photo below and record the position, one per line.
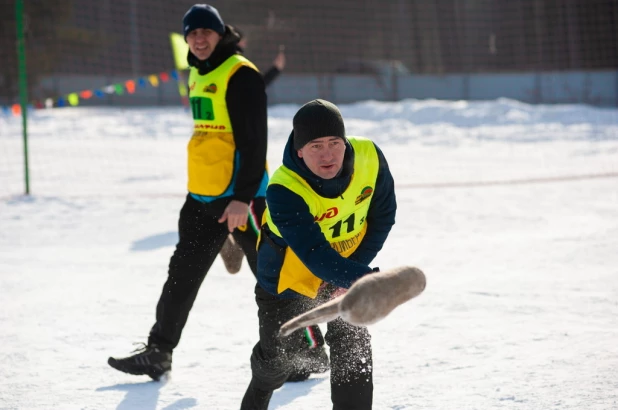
(89, 44)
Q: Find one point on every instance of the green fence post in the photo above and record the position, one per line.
(23, 85)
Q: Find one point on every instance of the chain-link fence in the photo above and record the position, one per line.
(85, 43)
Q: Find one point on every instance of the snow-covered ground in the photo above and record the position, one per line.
(510, 209)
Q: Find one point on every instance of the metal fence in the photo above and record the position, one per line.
(129, 38)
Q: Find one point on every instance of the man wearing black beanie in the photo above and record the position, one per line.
(227, 181)
(331, 206)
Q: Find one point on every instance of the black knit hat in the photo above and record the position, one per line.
(317, 119)
(202, 16)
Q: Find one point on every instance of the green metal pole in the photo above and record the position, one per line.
(23, 85)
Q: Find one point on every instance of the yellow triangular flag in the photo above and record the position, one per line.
(154, 80)
(180, 49)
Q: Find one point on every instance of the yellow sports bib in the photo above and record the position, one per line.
(342, 221)
(211, 150)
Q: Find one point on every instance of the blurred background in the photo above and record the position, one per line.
(536, 51)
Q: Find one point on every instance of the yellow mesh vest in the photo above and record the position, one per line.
(211, 150)
(343, 222)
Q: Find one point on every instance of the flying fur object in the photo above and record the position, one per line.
(369, 299)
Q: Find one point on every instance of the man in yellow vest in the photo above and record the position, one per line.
(227, 179)
(331, 206)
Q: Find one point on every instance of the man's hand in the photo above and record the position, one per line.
(235, 214)
(279, 60)
(338, 292)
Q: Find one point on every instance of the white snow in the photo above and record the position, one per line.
(510, 209)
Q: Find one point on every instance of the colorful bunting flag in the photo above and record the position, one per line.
(73, 99)
(128, 86)
(154, 80)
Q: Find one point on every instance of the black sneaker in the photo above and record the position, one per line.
(148, 360)
(310, 361)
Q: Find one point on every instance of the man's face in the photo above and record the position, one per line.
(202, 42)
(324, 156)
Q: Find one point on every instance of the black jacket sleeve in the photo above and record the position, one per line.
(246, 104)
(381, 215)
(270, 75)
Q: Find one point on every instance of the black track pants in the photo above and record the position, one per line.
(273, 357)
(200, 240)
